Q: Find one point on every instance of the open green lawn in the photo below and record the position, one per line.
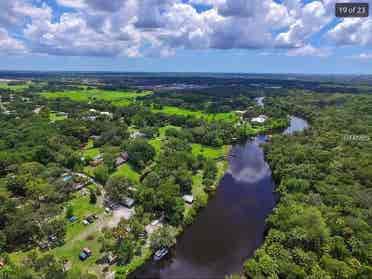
(226, 116)
(73, 244)
(15, 87)
(82, 208)
(125, 98)
(208, 152)
(127, 171)
(91, 152)
(120, 98)
(72, 249)
(54, 117)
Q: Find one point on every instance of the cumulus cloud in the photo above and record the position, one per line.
(352, 31)
(309, 50)
(160, 27)
(9, 44)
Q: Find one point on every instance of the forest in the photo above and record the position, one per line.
(76, 151)
(321, 227)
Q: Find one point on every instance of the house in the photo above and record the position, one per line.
(121, 159)
(94, 113)
(108, 114)
(90, 118)
(260, 119)
(128, 202)
(38, 109)
(188, 198)
(137, 134)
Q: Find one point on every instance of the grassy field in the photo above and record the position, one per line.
(120, 98)
(91, 152)
(226, 116)
(72, 249)
(16, 87)
(127, 171)
(54, 117)
(81, 208)
(125, 98)
(73, 245)
(208, 152)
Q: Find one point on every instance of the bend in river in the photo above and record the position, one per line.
(232, 226)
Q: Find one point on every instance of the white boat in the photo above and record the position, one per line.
(160, 254)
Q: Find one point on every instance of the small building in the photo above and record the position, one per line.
(137, 134)
(128, 202)
(121, 159)
(188, 198)
(260, 119)
(108, 114)
(38, 109)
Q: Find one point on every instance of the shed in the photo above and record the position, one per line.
(188, 198)
(128, 202)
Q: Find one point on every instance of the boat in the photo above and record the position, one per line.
(160, 254)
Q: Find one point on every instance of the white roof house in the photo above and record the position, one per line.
(188, 198)
(260, 119)
(136, 134)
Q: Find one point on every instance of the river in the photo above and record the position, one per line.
(232, 226)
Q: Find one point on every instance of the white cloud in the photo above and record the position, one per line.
(78, 4)
(9, 44)
(160, 27)
(309, 20)
(309, 50)
(352, 31)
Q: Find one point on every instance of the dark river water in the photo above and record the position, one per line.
(232, 226)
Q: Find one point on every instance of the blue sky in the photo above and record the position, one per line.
(261, 36)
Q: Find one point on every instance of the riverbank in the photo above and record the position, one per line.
(231, 227)
(192, 211)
